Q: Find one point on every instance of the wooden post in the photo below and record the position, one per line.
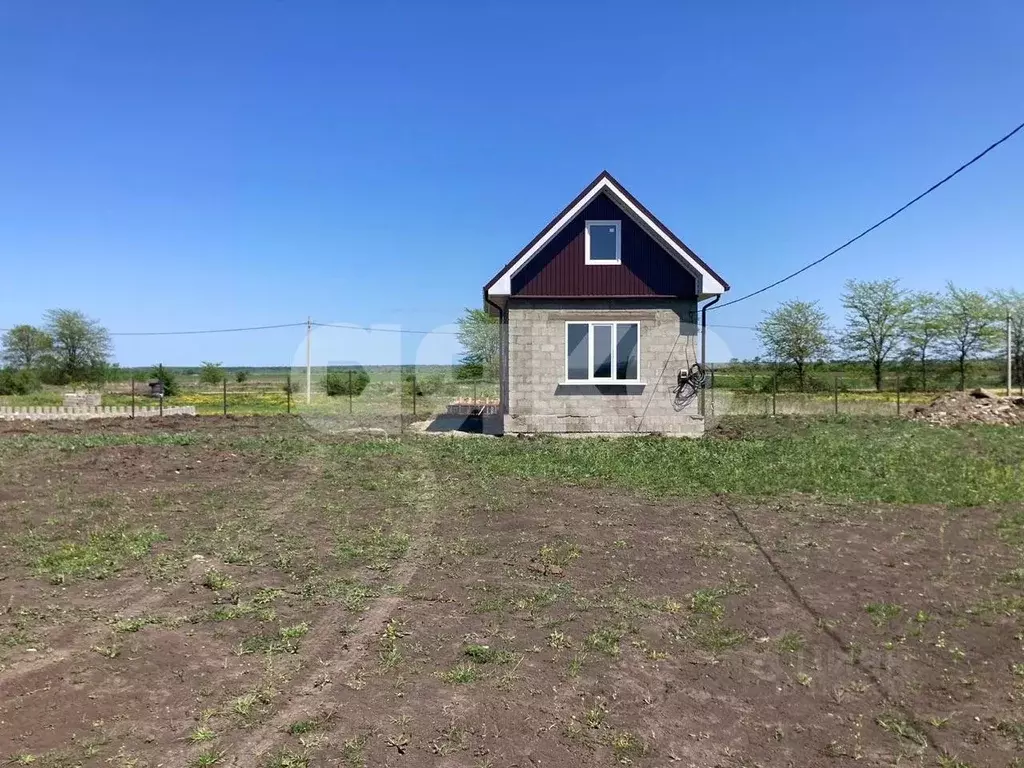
(288, 392)
(161, 398)
(897, 395)
(133, 397)
(350, 392)
(835, 394)
(775, 389)
(225, 395)
(414, 394)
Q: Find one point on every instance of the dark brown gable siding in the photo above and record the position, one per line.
(560, 268)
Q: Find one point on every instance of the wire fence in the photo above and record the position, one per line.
(398, 397)
(393, 398)
(732, 393)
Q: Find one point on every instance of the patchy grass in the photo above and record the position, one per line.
(462, 674)
(882, 613)
(377, 549)
(845, 458)
(100, 556)
(285, 641)
(587, 601)
(791, 642)
(606, 640)
(900, 726)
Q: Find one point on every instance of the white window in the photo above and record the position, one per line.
(603, 242)
(601, 353)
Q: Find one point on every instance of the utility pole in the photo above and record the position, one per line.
(1009, 353)
(309, 364)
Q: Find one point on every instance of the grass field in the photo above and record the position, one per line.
(251, 592)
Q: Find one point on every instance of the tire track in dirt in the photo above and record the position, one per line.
(288, 495)
(880, 683)
(324, 641)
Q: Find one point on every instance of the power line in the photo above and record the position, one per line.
(214, 330)
(876, 225)
(353, 326)
(350, 326)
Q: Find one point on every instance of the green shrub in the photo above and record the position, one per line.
(242, 376)
(426, 384)
(21, 382)
(211, 373)
(169, 380)
(470, 371)
(336, 383)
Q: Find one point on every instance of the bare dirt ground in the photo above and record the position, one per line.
(195, 592)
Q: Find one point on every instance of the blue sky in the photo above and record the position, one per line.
(186, 165)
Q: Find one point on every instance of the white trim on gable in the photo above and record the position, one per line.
(707, 284)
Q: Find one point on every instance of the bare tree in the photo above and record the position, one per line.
(25, 346)
(971, 329)
(876, 317)
(926, 326)
(797, 333)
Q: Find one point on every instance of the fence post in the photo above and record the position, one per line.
(897, 395)
(775, 389)
(350, 392)
(288, 391)
(414, 394)
(704, 384)
(161, 399)
(835, 394)
(133, 397)
(225, 382)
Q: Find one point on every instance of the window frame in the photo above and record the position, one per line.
(613, 379)
(618, 240)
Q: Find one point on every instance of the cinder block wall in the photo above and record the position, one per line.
(539, 400)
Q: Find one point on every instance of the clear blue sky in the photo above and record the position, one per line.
(185, 165)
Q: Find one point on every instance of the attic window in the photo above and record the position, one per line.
(604, 242)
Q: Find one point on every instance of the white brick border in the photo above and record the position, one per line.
(60, 413)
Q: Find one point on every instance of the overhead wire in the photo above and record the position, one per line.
(877, 224)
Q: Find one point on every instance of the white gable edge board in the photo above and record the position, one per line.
(707, 284)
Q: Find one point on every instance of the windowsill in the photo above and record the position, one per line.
(601, 383)
(616, 263)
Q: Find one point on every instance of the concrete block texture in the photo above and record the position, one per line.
(53, 413)
(541, 400)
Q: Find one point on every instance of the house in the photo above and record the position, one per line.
(599, 322)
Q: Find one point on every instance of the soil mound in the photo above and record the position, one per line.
(976, 407)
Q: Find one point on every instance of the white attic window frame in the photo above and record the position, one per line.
(617, 223)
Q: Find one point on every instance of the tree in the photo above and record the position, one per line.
(242, 376)
(970, 321)
(211, 373)
(876, 316)
(926, 326)
(479, 336)
(167, 378)
(25, 346)
(797, 333)
(336, 383)
(1011, 302)
(81, 345)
